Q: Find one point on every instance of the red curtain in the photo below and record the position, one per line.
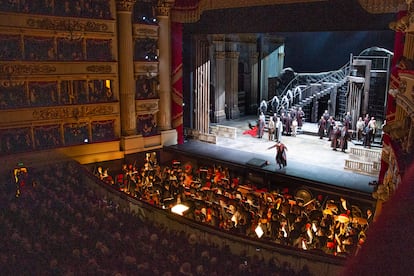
(394, 84)
(177, 79)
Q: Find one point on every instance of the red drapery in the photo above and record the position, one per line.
(394, 84)
(177, 79)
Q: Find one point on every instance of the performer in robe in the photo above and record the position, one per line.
(360, 128)
(261, 125)
(280, 154)
(344, 138)
(275, 117)
(271, 128)
(321, 127)
(278, 129)
(335, 137)
(294, 126)
(299, 116)
(275, 104)
(288, 124)
(263, 107)
(293, 113)
(372, 124)
(329, 126)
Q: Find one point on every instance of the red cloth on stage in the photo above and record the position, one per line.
(252, 132)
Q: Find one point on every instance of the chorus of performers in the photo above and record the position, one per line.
(217, 197)
(339, 132)
(289, 122)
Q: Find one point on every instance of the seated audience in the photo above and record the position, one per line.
(58, 225)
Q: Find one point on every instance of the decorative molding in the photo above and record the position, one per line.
(125, 5)
(220, 54)
(72, 112)
(405, 97)
(99, 68)
(164, 7)
(145, 68)
(142, 30)
(191, 11)
(254, 55)
(67, 25)
(405, 104)
(232, 55)
(403, 86)
(146, 106)
(25, 69)
(402, 24)
(383, 6)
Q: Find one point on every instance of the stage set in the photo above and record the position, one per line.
(309, 158)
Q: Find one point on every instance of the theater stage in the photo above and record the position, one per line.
(308, 157)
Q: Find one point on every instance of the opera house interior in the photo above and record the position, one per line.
(113, 115)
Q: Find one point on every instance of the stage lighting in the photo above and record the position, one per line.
(179, 209)
(259, 231)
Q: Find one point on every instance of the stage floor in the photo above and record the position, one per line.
(308, 157)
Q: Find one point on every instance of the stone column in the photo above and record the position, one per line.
(202, 86)
(126, 67)
(164, 63)
(232, 84)
(264, 75)
(220, 81)
(254, 65)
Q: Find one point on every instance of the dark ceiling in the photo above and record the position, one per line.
(331, 15)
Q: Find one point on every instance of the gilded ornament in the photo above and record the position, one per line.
(220, 55)
(72, 112)
(164, 7)
(99, 68)
(125, 5)
(25, 69)
(403, 86)
(381, 6)
(67, 25)
(232, 55)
